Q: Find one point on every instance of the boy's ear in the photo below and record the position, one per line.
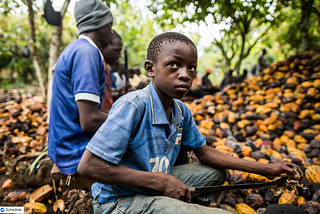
(148, 67)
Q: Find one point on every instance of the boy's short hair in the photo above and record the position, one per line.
(116, 35)
(157, 43)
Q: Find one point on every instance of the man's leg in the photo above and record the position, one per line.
(198, 175)
(153, 204)
(194, 174)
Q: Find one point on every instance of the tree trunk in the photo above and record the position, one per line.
(34, 51)
(54, 53)
(306, 9)
(225, 56)
(238, 65)
(53, 57)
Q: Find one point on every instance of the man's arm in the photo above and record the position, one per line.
(91, 118)
(216, 159)
(99, 170)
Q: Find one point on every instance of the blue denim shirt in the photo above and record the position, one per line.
(138, 135)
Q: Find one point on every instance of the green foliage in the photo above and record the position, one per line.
(136, 30)
(12, 42)
(212, 58)
(240, 18)
(34, 163)
(287, 31)
(8, 5)
(14, 34)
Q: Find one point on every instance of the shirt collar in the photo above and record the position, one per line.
(158, 113)
(91, 42)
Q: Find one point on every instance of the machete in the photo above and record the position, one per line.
(211, 189)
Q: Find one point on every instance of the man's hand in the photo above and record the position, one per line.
(214, 158)
(174, 188)
(284, 167)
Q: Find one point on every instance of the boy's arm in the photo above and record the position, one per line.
(214, 158)
(99, 170)
(91, 118)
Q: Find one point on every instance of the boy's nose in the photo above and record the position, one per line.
(184, 74)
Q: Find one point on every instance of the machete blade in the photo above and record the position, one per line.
(220, 188)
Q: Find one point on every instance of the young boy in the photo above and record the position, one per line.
(111, 55)
(131, 156)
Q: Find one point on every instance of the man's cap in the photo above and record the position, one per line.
(91, 15)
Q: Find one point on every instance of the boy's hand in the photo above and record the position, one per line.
(174, 188)
(284, 167)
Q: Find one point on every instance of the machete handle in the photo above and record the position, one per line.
(192, 190)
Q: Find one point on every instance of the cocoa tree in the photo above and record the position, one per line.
(246, 22)
(54, 53)
(309, 9)
(34, 49)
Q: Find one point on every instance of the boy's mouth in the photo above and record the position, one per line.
(182, 87)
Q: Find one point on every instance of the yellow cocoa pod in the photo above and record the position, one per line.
(246, 151)
(272, 127)
(263, 109)
(304, 113)
(288, 197)
(224, 126)
(289, 133)
(276, 143)
(301, 146)
(301, 200)
(284, 139)
(307, 84)
(314, 131)
(294, 107)
(241, 124)
(296, 152)
(316, 83)
(232, 117)
(255, 178)
(276, 154)
(299, 139)
(198, 117)
(262, 160)
(206, 124)
(249, 158)
(269, 121)
(315, 117)
(313, 173)
(36, 207)
(284, 68)
(263, 128)
(291, 143)
(224, 149)
(272, 105)
(266, 149)
(243, 208)
(312, 92)
(257, 98)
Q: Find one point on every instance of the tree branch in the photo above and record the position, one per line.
(64, 8)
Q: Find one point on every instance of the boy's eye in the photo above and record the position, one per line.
(192, 68)
(173, 65)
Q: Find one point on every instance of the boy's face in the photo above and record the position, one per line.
(104, 35)
(174, 70)
(112, 53)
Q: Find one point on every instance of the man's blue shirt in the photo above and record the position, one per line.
(79, 72)
(137, 134)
